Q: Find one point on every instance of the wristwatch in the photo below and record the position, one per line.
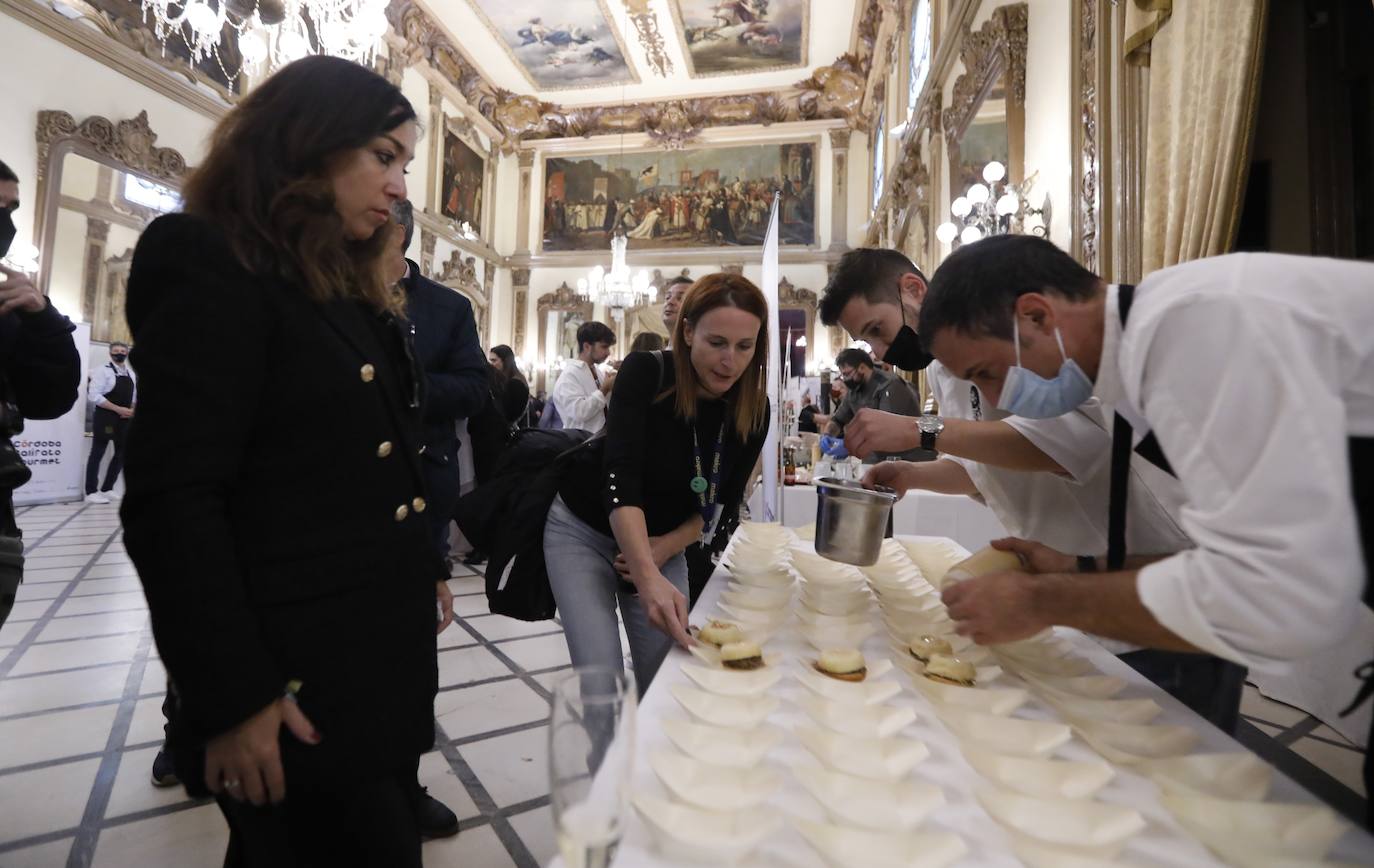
(930, 428)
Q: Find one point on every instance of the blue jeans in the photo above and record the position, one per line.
(581, 566)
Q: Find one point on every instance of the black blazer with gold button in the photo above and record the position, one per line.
(273, 483)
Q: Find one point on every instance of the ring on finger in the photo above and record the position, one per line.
(231, 785)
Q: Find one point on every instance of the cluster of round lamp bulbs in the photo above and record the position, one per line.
(977, 202)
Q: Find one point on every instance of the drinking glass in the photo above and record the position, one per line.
(591, 755)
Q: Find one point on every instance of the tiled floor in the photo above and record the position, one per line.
(80, 721)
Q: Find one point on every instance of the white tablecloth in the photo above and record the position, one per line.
(960, 518)
(1163, 843)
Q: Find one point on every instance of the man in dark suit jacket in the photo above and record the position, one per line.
(456, 387)
(456, 376)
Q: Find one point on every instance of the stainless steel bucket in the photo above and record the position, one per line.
(851, 520)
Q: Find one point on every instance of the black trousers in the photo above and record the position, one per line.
(443, 485)
(373, 824)
(108, 428)
(1208, 685)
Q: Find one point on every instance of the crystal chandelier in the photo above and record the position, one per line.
(271, 33)
(616, 289)
(995, 208)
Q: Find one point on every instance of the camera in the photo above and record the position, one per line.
(13, 473)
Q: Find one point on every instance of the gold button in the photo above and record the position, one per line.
(367, 372)
(401, 512)
(384, 449)
(418, 504)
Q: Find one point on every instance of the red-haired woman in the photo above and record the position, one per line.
(682, 438)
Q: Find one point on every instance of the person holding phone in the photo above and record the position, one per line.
(684, 429)
(275, 503)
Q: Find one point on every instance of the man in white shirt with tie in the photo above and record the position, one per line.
(113, 392)
(1255, 374)
(583, 390)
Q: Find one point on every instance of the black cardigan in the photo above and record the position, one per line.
(273, 483)
(647, 456)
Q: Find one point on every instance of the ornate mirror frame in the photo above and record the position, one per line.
(792, 298)
(563, 299)
(459, 273)
(997, 48)
(126, 146)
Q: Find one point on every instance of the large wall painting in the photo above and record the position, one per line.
(707, 197)
(728, 38)
(559, 44)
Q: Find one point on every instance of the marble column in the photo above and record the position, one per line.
(839, 196)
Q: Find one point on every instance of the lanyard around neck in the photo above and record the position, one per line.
(707, 492)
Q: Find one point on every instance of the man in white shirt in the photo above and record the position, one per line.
(1045, 479)
(1255, 373)
(583, 389)
(113, 392)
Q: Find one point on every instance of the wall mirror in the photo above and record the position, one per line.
(796, 325)
(561, 313)
(100, 183)
(986, 118)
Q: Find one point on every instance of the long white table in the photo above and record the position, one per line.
(956, 516)
(1162, 843)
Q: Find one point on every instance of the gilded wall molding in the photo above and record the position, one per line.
(1086, 204)
(998, 47)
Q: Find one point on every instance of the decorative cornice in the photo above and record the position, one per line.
(520, 276)
(562, 298)
(129, 143)
(126, 52)
(839, 139)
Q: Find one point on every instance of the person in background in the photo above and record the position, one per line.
(536, 409)
(806, 417)
(647, 342)
(583, 388)
(502, 358)
(867, 387)
(114, 393)
(673, 293)
(291, 576)
(40, 374)
(448, 351)
(683, 434)
(491, 428)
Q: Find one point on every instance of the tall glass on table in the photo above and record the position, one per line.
(591, 752)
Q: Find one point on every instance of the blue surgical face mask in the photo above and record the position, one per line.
(1031, 396)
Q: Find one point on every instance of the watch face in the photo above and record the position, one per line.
(929, 424)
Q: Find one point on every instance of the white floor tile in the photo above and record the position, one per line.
(500, 627)
(1343, 764)
(472, 848)
(41, 692)
(472, 710)
(108, 571)
(468, 585)
(55, 735)
(40, 590)
(45, 563)
(52, 547)
(535, 829)
(455, 636)
(548, 678)
(154, 678)
(84, 626)
(513, 768)
(133, 787)
(147, 722)
(1327, 732)
(34, 575)
(541, 653)
(444, 785)
(103, 603)
(45, 800)
(81, 652)
(193, 838)
(43, 856)
(31, 610)
(463, 665)
(117, 585)
(469, 606)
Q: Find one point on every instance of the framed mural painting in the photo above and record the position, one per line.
(727, 38)
(707, 197)
(559, 44)
(461, 181)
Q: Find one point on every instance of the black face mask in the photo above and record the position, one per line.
(7, 231)
(119, 357)
(853, 383)
(905, 351)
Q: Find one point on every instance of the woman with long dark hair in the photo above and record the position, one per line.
(274, 482)
(502, 358)
(683, 431)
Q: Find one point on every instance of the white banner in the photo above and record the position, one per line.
(55, 449)
(772, 452)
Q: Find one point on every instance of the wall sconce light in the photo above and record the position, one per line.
(995, 208)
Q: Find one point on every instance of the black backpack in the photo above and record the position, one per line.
(505, 517)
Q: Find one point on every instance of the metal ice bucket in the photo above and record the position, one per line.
(851, 520)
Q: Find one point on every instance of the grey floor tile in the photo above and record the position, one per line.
(80, 652)
(512, 768)
(463, 665)
(133, 787)
(536, 832)
(543, 652)
(474, 848)
(1346, 766)
(29, 610)
(84, 626)
(472, 605)
(43, 856)
(44, 800)
(470, 711)
(43, 692)
(194, 838)
(499, 627)
(55, 735)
